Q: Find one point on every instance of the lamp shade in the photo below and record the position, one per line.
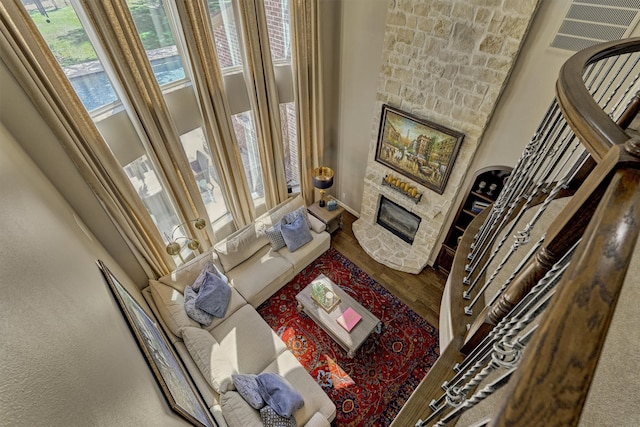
(173, 248)
(322, 177)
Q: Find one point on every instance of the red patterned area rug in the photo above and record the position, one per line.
(370, 389)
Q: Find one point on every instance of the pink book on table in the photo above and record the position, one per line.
(349, 319)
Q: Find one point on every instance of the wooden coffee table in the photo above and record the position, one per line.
(349, 341)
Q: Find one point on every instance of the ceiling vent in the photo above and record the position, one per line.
(590, 22)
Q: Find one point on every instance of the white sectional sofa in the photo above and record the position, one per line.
(242, 342)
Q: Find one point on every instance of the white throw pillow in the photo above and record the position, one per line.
(170, 303)
(205, 352)
(238, 247)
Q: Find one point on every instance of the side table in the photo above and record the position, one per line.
(332, 219)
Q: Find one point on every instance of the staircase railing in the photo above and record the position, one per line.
(533, 325)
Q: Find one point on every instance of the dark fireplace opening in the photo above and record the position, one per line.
(398, 220)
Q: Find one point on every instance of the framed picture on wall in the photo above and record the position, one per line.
(417, 148)
(165, 365)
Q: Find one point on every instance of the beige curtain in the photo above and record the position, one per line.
(263, 94)
(31, 63)
(217, 125)
(307, 79)
(142, 97)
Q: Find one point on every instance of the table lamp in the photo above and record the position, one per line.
(322, 178)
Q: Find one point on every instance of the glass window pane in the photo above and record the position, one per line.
(290, 142)
(158, 39)
(67, 39)
(143, 176)
(225, 34)
(204, 172)
(248, 144)
(278, 26)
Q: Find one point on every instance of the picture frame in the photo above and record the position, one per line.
(167, 368)
(417, 148)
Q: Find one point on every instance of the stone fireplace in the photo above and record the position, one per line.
(448, 63)
(399, 221)
(385, 246)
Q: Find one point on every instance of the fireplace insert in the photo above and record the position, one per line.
(398, 220)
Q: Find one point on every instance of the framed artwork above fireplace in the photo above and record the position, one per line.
(417, 148)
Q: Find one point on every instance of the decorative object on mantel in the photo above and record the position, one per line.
(402, 187)
(322, 178)
(174, 248)
(418, 149)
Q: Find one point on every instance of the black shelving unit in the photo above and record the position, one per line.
(477, 196)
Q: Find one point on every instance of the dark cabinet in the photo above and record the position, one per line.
(483, 191)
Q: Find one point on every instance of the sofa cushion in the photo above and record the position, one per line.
(275, 214)
(214, 295)
(271, 418)
(279, 394)
(309, 252)
(260, 276)
(188, 273)
(315, 399)
(296, 233)
(237, 412)
(318, 420)
(200, 316)
(247, 341)
(247, 386)
(170, 304)
(316, 225)
(239, 246)
(210, 359)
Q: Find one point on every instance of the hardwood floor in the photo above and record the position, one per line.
(421, 292)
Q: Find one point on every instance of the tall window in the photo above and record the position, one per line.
(158, 39)
(70, 45)
(280, 44)
(69, 38)
(225, 34)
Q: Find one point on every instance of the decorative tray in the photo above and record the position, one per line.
(319, 291)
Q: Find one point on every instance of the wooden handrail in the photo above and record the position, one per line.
(592, 125)
(604, 142)
(552, 381)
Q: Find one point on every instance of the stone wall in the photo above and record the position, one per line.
(446, 61)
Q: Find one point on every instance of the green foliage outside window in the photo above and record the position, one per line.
(70, 44)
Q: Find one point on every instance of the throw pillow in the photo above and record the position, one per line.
(296, 234)
(270, 418)
(274, 234)
(247, 386)
(300, 212)
(170, 303)
(208, 268)
(200, 316)
(279, 394)
(214, 295)
(239, 246)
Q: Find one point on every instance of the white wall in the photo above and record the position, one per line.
(529, 92)
(68, 357)
(360, 50)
